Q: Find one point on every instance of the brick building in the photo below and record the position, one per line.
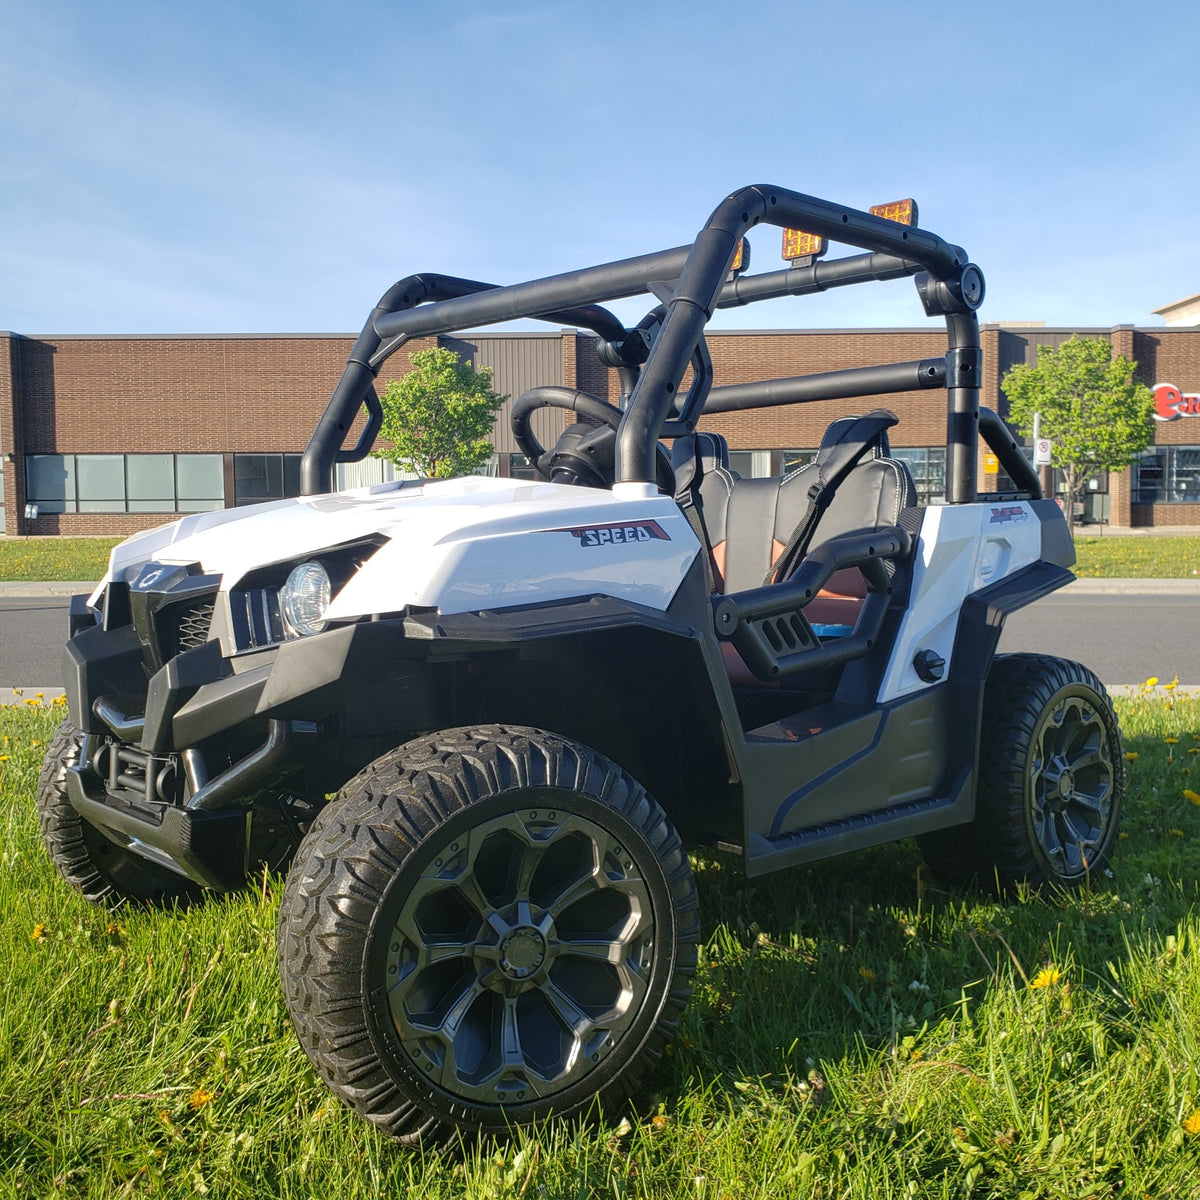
(108, 435)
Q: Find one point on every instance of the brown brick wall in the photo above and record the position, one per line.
(181, 396)
(10, 433)
(1171, 356)
(264, 394)
(739, 358)
(1165, 515)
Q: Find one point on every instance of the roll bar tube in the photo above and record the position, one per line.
(356, 385)
(1004, 446)
(696, 279)
(652, 406)
(829, 385)
(538, 297)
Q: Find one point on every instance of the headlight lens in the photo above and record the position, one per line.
(304, 598)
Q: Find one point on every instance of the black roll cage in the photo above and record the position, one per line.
(691, 283)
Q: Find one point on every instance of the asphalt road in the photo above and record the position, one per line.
(1124, 638)
(32, 632)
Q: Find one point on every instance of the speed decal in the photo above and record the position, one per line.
(618, 535)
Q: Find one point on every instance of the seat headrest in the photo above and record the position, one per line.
(712, 450)
(881, 447)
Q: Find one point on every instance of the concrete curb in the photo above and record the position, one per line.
(1130, 587)
(63, 587)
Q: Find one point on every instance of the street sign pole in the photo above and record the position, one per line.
(1045, 470)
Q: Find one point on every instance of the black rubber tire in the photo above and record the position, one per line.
(102, 871)
(1015, 838)
(369, 853)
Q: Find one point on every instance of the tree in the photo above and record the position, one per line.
(439, 416)
(1097, 417)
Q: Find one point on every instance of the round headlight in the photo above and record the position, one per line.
(304, 598)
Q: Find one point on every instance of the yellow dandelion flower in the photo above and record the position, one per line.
(1122, 835)
(3, 758)
(1175, 832)
(1046, 977)
(1190, 796)
(1191, 1125)
(199, 1098)
(39, 933)
(658, 1122)
(866, 974)
(1131, 756)
(35, 742)
(1151, 682)
(1171, 741)
(1194, 750)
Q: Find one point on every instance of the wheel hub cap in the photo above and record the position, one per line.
(522, 952)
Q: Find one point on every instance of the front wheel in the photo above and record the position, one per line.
(1051, 780)
(487, 927)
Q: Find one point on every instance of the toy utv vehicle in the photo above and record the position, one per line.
(531, 697)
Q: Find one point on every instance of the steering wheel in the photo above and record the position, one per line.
(583, 454)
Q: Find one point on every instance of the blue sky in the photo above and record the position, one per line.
(269, 167)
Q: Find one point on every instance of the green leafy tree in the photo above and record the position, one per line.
(439, 416)
(1098, 418)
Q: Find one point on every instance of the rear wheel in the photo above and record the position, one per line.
(1051, 780)
(487, 927)
(100, 869)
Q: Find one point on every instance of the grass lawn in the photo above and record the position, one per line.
(51, 558)
(1131, 557)
(856, 1031)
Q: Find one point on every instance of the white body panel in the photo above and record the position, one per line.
(454, 545)
(962, 548)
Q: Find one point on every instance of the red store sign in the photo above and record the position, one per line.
(1170, 402)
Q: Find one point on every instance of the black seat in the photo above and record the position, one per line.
(746, 525)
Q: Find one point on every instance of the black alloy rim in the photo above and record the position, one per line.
(520, 957)
(1071, 785)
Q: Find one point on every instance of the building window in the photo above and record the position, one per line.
(259, 477)
(793, 460)
(750, 464)
(927, 466)
(145, 483)
(519, 467)
(1168, 475)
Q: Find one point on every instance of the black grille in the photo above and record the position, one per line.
(256, 618)
(172, 610)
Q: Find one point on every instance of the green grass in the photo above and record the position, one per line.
(855, 1030)
(53, 558)
(1132, 557)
